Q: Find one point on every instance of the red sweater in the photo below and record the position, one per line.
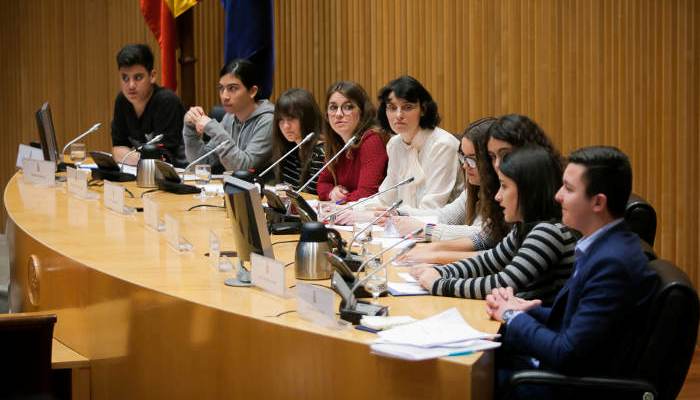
(360, 171)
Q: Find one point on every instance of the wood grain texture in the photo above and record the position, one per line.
(623, 73)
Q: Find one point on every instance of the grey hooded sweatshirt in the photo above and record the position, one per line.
(250, 144)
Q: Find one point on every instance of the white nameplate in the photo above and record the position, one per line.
(151, 214)
(27, 152)
(78, 183)
(222, 264)
(172, 234)
(315, 302)
(114, 197)
(268, 274)
(39, 172)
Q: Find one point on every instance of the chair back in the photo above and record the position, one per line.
(671, 333)
(26, 358)
(640, 217)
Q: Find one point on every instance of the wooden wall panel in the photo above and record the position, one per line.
(623, 73)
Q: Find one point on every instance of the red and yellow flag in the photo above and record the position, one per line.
(160, 16)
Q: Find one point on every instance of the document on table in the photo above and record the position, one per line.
(410, 286)
(440, 335)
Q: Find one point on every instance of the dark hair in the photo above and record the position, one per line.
(537, 173)
(518, 131)
(608, 172)
(246, 71)
(299, 104)
(475, 133)
(332, 142)
(135, 54)
(410, 89)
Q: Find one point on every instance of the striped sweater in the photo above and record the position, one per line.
(291, 168)
(537, 268)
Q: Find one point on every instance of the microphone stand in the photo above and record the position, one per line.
(154, 140)
(306, 139)
(410, 236)
(383, 214)
(82, 135)
(336, 212)
(383, 266)
(203, 156)
(348, 144)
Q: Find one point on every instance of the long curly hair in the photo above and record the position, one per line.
(476, 133)
(518, 131)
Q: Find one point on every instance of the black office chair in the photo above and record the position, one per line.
(664, 348)
(640, 217)
(26, 357)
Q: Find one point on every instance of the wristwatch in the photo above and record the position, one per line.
(428, 232)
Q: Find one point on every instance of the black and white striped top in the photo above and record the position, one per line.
(536, 269)
(291, 168)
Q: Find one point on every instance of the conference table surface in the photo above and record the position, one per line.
(159, 323)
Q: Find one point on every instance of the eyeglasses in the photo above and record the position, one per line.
(470, 161)
(345, 108)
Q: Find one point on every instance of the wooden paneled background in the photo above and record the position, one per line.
(618, 72)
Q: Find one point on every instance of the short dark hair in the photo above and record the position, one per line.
(135, 54)
(410, 89)
(246, 71)
(608, 172)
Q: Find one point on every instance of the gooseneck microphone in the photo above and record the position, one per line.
(336, 212)
(203, 156)
(82, 135)
(369, 226)
(306, 139)
(156, 139)
(348, 144)
(410, 236)
(382, 267)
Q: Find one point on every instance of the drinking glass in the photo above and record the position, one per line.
(325, 208)
(202, 176)
(77, 153)
(376, 282)
(362, 233)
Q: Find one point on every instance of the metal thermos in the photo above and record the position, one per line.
(310, 259)
(146, 168)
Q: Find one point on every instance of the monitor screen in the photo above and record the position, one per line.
(245, 210)
(47, 133)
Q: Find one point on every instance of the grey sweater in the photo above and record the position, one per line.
(250, 143)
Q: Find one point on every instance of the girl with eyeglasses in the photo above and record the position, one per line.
(297, 116)
(464, 216)
(357, 173)
(537, 256)
(506, 134)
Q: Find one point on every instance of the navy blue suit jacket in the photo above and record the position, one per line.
(591, 325)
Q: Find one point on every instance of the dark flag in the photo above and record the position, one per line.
(249, 34)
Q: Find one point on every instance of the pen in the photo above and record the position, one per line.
(460, 353)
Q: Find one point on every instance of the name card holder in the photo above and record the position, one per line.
(315, 304)
(77, 183)
(172, 235)
(27, 152)
(114, 199)
(218, 262)
(39, 172)
(151, 215)
(268, 274)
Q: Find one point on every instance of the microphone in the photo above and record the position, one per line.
(382, 215)
(336, 212)
(205, 155)
(82, 135)
(410, 236)
(348, 144)
(156, 139)
(383, 266)
(306, 139)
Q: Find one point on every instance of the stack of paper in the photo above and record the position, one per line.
(440, 335)
(410, 286)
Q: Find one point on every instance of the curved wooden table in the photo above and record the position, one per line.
(160, 324)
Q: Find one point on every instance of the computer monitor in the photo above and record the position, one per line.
(244, 208)
(47, 133)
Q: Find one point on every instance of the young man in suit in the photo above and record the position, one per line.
(589, 329)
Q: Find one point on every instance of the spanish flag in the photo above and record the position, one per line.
(160, 16)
